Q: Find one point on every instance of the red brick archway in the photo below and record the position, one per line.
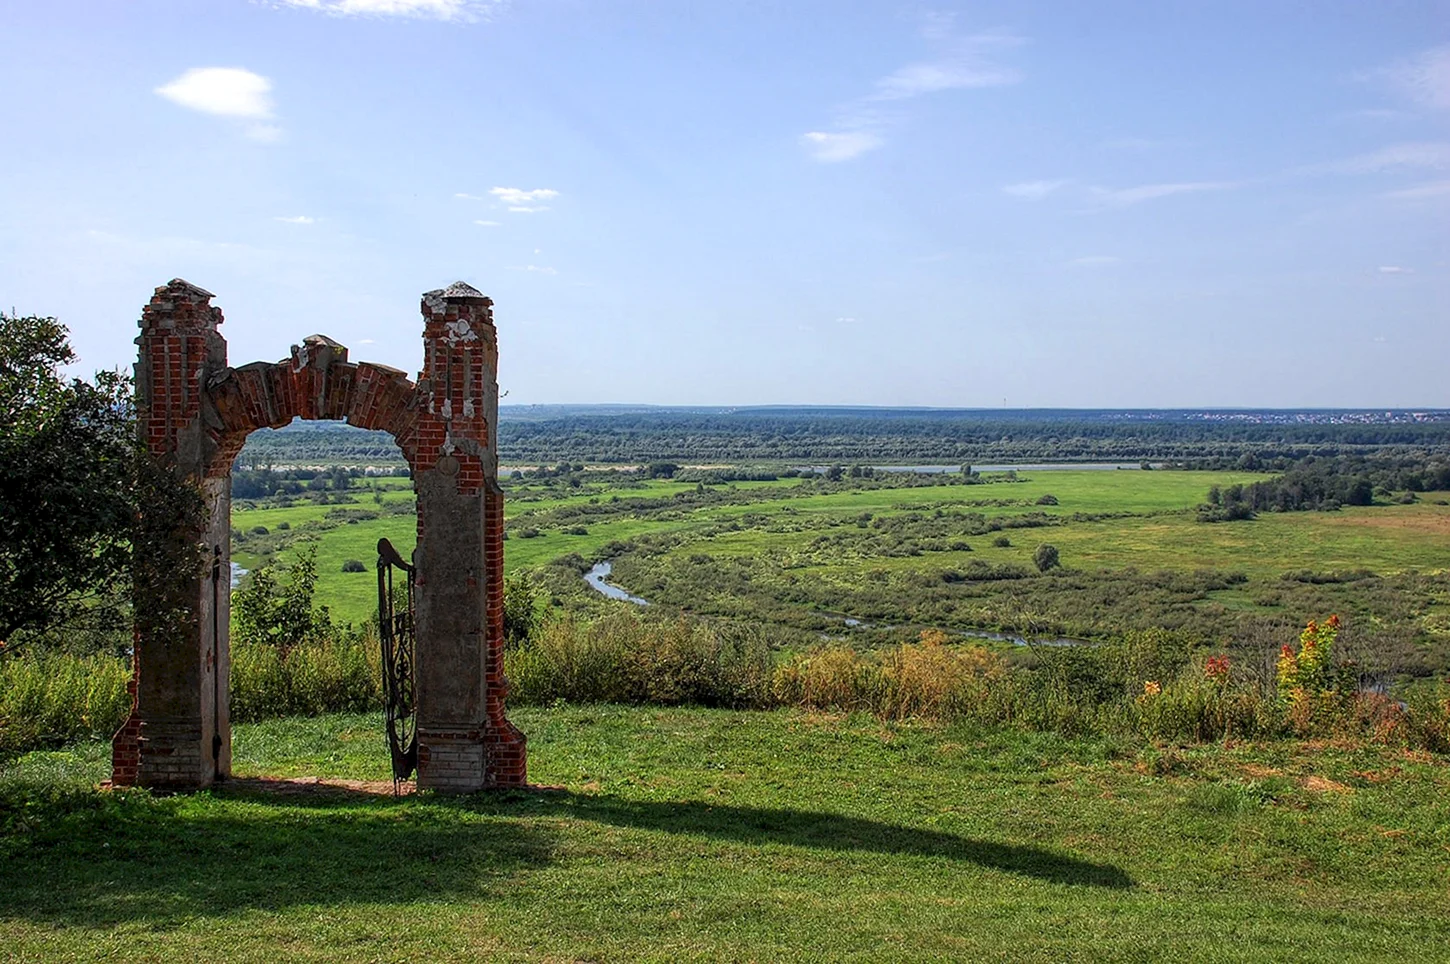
(195, 413)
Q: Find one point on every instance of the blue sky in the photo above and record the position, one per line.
(1052, 204)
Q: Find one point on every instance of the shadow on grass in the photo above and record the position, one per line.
(802, 828)
(94, 859)
(90, 859)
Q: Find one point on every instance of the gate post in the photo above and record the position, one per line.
(178, 735)
(464, 740)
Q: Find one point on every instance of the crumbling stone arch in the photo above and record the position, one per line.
(195, 413)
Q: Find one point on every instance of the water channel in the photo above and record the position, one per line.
(596, 578)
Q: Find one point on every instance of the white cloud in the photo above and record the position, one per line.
(1429, 189)
(526, 209)
(1431, 154)
(1033, 190)
(1423, 78)
(470, 197)
(460, 10)
(959, 63)
(914, 80)
(537, 269)
(299, 219)
(1096, 261)
(1123, 197)
(845, 321)
(226, 91)
(1395, 269)
(841, 145)
(518, 197)
(366, 341)
(487, 224)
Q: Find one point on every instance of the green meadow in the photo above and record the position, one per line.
(785, 549)
(680, 834)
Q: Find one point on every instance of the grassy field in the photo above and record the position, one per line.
(786, 550)
(710, 835)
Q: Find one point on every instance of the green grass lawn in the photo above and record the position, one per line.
(708, 835)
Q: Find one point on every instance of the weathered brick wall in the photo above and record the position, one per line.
(468, 743)
(195, 414)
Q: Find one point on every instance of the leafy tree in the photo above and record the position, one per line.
(67, 486)
(520, 609)
(1046, 557)
(264, 610)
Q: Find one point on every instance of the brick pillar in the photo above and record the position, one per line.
(178, 735)
(464, 740)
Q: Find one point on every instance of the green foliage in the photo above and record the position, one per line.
(67, 490)
(338, 672)
(265, 611)
(354, 565)
(1045, 557)
(50, 699)
(521, 602)
(626, 658)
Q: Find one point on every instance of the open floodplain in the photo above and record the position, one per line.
(913, 552)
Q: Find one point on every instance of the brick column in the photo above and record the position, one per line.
(464, 740)
(178, 735)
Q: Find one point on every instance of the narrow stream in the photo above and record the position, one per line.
(596, 576)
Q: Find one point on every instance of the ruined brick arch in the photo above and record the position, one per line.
(195, 413)
(318, 383)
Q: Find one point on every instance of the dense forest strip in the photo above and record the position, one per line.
(890, 436)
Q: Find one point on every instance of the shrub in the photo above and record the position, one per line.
(50, 699)
(334, 674)
(1045, 557)
(1047, 500)
(354, 565)
(1002, 542)
(626, 658)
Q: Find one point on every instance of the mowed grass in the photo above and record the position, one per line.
(712, 835)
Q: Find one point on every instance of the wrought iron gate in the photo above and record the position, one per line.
(395, 629)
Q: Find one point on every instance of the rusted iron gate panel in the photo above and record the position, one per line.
(395, 630)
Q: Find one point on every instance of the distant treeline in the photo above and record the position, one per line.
(1326, 484)
(824, 436)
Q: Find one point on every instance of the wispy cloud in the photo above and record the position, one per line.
(1423, 78)
(487, 224)
(470, 197)
(367, 341)
(459, 10)
(227, 92)
(528, 209)
(516, 196)
(966, 63)
(1095, 261)
(1426, 190)
(957, 63)
(1423, 154)
(830, 146)
(536, 269)
(1123, 197)
(299, 219)
(1033, 190)
(1395, 269)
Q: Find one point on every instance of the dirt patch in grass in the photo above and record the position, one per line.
(1420, 519)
